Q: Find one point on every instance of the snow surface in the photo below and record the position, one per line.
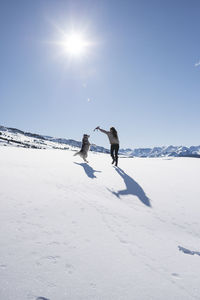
(75, 231)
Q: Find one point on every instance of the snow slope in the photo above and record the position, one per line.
(75, 231)
(17, 138)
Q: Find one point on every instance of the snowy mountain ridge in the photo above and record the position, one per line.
(15, 137)
(174, 151)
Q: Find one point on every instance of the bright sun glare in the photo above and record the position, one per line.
(75, 44)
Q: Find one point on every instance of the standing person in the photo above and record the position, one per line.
(114, 142)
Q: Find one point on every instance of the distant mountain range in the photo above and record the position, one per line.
(176, 151)
(19, 138)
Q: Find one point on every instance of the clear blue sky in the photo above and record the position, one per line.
(141, 75)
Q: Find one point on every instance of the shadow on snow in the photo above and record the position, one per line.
(132, 188)
(88, 170)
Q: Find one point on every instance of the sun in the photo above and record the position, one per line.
(75, 44)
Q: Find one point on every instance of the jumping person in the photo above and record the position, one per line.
(114, 142)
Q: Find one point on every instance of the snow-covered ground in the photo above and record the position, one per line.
(72, 231)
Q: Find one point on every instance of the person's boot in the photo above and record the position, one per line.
(113, 160)
(116, 161)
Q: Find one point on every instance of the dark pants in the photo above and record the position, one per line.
(114, 152)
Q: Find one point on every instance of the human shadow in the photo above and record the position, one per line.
(88, 170)
(132, 188)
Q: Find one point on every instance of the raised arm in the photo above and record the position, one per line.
(102, 130)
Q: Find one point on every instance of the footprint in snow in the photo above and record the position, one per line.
(176, 275)
(42, 298)
(69, 268)
(52, 259)
(3, 266)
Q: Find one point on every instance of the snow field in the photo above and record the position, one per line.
(75, 231)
